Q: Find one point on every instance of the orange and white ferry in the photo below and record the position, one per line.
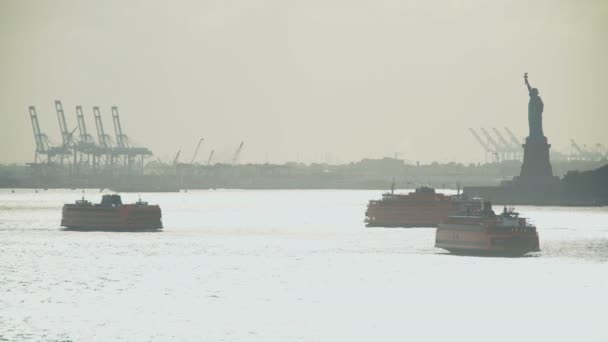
(484, 232)
(421, 208)
(111, 214)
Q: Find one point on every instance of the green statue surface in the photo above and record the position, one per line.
(535, 111)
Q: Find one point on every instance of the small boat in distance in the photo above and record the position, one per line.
(421, 208)
(111, 214)
(485, 233)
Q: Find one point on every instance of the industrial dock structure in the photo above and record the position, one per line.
(79, 160)
(107, 157)
(537, 183)
(79, 151)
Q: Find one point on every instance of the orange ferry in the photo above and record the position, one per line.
(111, 214)
(485, 232)
(422, 208)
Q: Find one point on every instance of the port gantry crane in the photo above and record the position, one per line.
(482, 143)
(105, 140)
(120, 154)
(584, 153)
(121, 138)
(513, 152)
(82, 148)
(176, 159)
(125, 153)
(42, 140)
(210, 156)
(85, 137)
(237, 154)
(44, 146)
(66, 136)
(514, 140)
(577, 151)
(196, 150)
(88, 151)
(500, 151)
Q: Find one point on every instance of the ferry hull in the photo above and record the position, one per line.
(121, 218)
(422, 208)
(483, 241)
(410, 215)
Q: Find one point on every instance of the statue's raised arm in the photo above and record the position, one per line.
(527, 83)
(535, 111)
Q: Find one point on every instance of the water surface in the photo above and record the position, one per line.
(290, 266)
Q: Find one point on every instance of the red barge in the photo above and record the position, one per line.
(111, 214)
(421, 208)
(485, 232)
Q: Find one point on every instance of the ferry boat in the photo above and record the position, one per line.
(421, 208)
(111, 214)
(484, 232)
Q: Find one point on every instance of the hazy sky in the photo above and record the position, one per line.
(305, 80)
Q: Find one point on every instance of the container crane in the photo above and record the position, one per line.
(507, 145)
(237, 154)
(121, 139)
(127, 154)
(105, 140)
(512, 151)
(176, 159)
(210, 156)
(513, 138)
(85, 147)
(66, 135)
(85, 138)
(42, 140)
(44, 145)
(196, 150)
(498, 150)
(62, 123)
(481, 142)
(496, 145)
(577, 149)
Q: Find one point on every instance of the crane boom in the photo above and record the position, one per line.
(38, 136)
(176, 159)
(210, 156)
(66, 137)
(120, 137)
(99, 126)
(479, 140)
(491, 140)
(105, 140)
(513, 138)
(237, 154)
(196, 150)
(82, 128)
(577, 148)
(502, 139)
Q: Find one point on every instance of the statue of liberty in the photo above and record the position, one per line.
(535, 111)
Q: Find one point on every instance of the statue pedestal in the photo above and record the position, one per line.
(537, 166)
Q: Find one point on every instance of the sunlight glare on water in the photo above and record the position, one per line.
(289, 265)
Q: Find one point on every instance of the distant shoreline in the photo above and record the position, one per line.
(368, 174)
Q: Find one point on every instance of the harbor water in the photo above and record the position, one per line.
(236, 265)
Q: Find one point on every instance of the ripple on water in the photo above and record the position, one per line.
(285, 266)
